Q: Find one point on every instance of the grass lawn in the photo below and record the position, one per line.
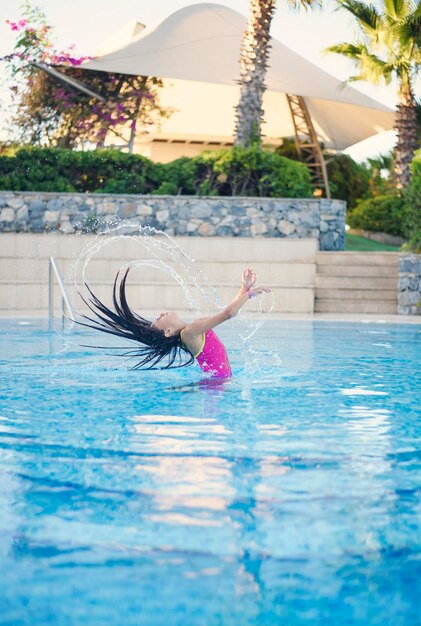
(355, 243)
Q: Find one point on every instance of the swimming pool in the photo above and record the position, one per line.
(288, 496)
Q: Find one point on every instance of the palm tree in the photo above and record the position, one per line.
(255, 49)
(389, 46)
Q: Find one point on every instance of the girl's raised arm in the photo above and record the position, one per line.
(196, 328)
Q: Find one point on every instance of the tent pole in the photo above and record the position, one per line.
(306, 142)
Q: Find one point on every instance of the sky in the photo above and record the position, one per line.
(86, 23)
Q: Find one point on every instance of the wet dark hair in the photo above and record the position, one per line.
(123, 322)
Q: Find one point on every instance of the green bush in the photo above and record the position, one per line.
(178, 177)
(348, 180)
(36, 170)
(53, 169)
(412, 210)
(252, 171)
(238, 171)
(380, 214)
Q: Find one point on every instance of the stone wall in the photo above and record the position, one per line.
(177, 215)
(409, 285)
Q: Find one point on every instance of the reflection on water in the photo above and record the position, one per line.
(287, 495)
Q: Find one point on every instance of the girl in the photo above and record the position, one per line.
(169, 337)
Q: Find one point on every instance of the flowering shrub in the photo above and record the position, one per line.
(50, 113)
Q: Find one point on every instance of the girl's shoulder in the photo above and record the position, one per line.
(193, 343)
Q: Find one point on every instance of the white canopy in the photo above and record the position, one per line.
(201, 43)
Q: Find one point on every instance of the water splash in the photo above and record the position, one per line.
(157, 250)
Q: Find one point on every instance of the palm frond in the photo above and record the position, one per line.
(396, 10)
(305, 4)
(367, 16)
(350, 50)
(409, 30)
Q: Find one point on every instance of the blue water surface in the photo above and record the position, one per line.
(289, 495)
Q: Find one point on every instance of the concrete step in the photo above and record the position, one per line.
(31, 295)
(357, 258)
(379, 271)
(348, 282)
(356, 282)
(242, 250)
(294, 274)
(357, 294)
(356, 306)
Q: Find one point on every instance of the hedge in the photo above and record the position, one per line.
(411, 222)
(237, 171)
(397, 214)
(348, 180)
(379, 214)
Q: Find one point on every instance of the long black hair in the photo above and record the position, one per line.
(123, 322)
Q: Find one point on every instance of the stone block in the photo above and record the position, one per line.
(22, 214)
(285, 227)
(107, 208)
(407, 298)
(152, 222)
(144, 210)
(224, 231)
(70, 210)
(410, 263)
(126, 210)
(206, 230)
(7, 215)
(326, 241)
(15, 203)
(36, 225)
(252, 212)
(202, 210)
(181, 212)
(56, 204)
(258, 228)
(51, 216)
(162, 216)
(37, 207)
(238, 210)
(181, 228)
(67, 228)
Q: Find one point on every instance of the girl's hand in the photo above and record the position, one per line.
(257, 291)
(249, 278)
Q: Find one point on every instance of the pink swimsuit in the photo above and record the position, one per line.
(213, 358)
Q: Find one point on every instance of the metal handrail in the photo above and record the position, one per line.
(54, 269)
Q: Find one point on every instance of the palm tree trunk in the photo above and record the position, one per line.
(253, 64)
(406, 144)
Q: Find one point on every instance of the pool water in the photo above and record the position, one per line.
(289, 495)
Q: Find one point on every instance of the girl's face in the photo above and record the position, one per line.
(168, 322)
